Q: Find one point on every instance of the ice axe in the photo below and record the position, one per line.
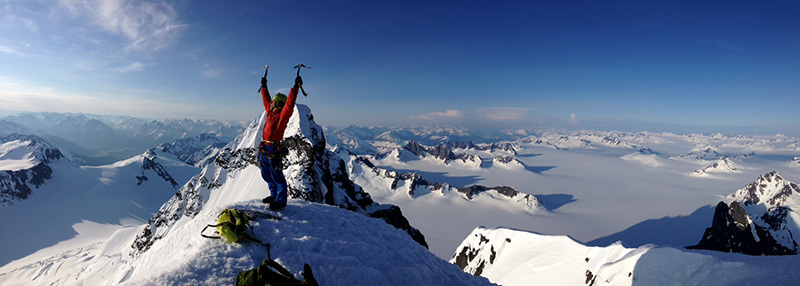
(298, 74)
(266, 69)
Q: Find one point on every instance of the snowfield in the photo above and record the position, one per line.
(514, 257)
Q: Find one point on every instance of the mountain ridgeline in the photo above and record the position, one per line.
(16, 184)
(313, 173)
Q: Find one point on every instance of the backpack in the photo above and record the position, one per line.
(232, 225)
(272, 273)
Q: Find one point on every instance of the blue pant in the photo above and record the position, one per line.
(272, 171)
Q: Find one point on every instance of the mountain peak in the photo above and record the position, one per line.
(770, 189)
(722, 165)
(312, 172)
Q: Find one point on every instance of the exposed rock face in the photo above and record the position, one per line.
(769, 189)
(149, 163)
(767, 208)
(442, 152)
(312, 172)
(414, 185)
(18, 184)
(733, 231)
(198, 151)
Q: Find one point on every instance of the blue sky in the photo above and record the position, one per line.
(715, 66)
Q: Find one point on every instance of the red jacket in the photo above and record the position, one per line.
(276, 122)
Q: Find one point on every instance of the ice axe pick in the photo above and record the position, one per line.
(298, 74)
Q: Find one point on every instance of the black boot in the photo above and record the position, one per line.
(268, 200)
(277, 206)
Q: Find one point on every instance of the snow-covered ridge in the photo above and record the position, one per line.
(24, 161)
(392, 183)
(722, 165)
(313, 174)
(198, 151)
(513, 257)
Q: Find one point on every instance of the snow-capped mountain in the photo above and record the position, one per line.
(579, 139)
(198, 151)
(8, 128)
(508, 162)
(699, 155)
(105, 139)
(313, 174)
(512, 257)
(388, 183)
(722, 165)
(169, 130)
(762, 219)
(78, 129)
(771, 190)
(24, 158)
(362, 139)
(645, 156)
(795, 163)
(444, 153)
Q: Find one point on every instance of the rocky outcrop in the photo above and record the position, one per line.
(18, 184)
(149, 163)
(415, 185)
(733, 231)
(443, 152)
(759, 221)
(198, 151)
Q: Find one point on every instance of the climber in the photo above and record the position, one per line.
(279, 109)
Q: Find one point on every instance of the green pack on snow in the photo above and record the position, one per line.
(232, 225)
(272, 273)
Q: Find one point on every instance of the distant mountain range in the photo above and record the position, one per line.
(100, 140)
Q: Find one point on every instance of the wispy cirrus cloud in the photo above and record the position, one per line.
(9, 50)
(440, 115)
(135, 66)
(144, 25)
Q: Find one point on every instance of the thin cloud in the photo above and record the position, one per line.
(136, 66)
(505, 113)
(147, 26)
(440, 115)
(210, 72)
(9, 50)
(127, 103)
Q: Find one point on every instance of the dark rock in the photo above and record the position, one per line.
(731, 231)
